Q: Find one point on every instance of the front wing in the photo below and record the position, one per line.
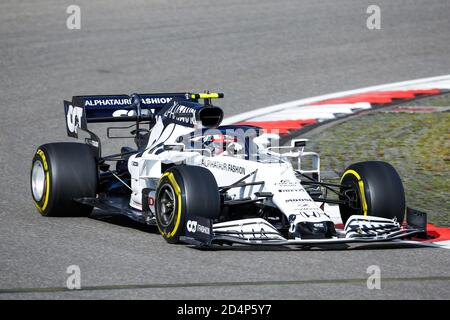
(201, 232)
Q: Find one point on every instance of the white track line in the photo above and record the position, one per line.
(441, 82)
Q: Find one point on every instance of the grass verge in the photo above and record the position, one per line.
(416, 144)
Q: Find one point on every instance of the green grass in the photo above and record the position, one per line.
(417, 145)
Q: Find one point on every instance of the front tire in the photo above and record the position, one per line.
(185, 191)
(61, 172)
(377, 190)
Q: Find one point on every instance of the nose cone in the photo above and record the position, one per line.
(314, 230)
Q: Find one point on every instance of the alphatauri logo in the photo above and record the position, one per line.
(74, 118)
(193, 226)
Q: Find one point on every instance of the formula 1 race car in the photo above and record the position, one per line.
(204, 184)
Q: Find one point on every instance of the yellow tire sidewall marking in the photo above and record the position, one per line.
(177, 190)
(361, 188)
(47, 182)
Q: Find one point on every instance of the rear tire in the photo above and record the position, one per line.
(185, 191)
(378, 190)
(61, 172)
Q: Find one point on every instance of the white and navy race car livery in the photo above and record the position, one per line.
(207, 184)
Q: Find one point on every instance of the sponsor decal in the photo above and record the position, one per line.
(223, 166)
(155, 100)
(148, 202)
(107, 102)
(292, 190)
(288, 183)
(74, 118)
(193, 227)
(298, 200)
(124, 101)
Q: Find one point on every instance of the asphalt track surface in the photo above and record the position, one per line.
(259, 53)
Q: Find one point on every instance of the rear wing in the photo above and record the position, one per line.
(113, 108)
(120, 107)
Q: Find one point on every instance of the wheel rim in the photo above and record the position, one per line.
(166, 205)
(38, 180)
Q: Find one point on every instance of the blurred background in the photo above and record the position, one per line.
(258, 52)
